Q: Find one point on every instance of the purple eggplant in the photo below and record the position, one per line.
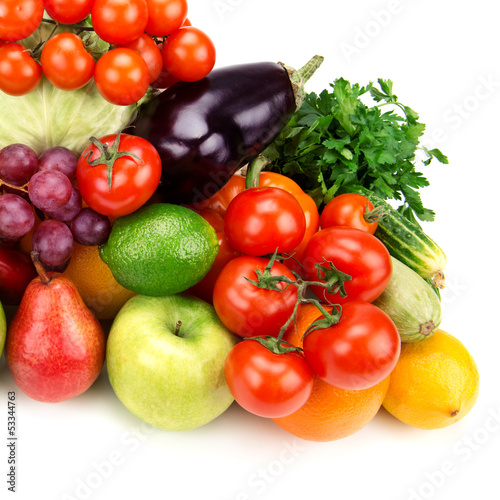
(205, 130)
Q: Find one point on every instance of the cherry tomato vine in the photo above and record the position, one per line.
(85, 32)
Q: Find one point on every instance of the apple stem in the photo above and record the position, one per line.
(177, 328)
(42, 273)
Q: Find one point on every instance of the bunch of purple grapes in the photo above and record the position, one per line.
(43, 185)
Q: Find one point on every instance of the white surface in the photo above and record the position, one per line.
(443, 60)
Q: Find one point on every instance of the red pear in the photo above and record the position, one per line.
(55, 346)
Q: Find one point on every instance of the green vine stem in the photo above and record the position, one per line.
(333, 282)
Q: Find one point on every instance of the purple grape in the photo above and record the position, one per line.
(49, 190)
(18, 163)
(16, 217)
(60, 159)
(53, 241)
(90, 228)
(70, 210)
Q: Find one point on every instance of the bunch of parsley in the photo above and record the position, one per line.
(335, 140)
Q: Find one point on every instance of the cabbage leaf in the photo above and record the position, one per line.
(49, 117)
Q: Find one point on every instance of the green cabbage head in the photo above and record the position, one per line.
(49, 117)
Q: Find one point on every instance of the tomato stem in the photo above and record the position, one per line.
(375, 215)
(108, 156)
(333, 282)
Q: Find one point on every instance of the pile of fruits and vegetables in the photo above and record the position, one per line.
(258, 243)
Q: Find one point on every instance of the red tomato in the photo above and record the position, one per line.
(165, 16)
(121, 76)
(134, 180)
(164, 79)
(65, 12)
(119, 21)
(246, 309)
(267, 384)
(261, 220)
(188, 54)
(358, 352)
(356, 253)
(350, 210)
(19, 18)
(150, 52)
(19, 72)
(66, 63)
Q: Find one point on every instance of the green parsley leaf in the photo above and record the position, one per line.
(336, 139)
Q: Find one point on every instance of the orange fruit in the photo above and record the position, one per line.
(330, 413)
(434, 384)
(102, 294)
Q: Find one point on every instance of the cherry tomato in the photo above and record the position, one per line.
(261, 220)
(164, 79)
(265, 383)
(150, 52)
(350, 210)
(66, 63)
(19, 72)
(121, 76)
(19, 18)
(65, 12)
(356, 253)
(246, 309)
(134, 180)
(188, 54)
(358, 352)
(165, 16)
(119, 21)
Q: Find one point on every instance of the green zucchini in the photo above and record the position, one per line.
(411, 303)
(406, 241)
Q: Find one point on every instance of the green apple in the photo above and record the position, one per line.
(3, 328)
(170, 376)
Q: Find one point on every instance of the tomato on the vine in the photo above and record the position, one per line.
(266, 383)
(188, 54)
(149, 50)
(66, 63)
(65, 12)
(121, 76)
(356, 353)
(20, 18)
(349, 210)
(360, 255)
(133, 179)
(19, 72)
(261, 220)
(165, 16)
(246, 309)
(119, 21)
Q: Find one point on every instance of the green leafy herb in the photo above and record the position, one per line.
(335, 139)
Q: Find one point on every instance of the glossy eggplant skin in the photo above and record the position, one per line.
(205, 130)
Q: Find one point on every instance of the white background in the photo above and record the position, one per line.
(444, 62)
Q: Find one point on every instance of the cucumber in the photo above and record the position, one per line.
(411, 303)
(406, 241)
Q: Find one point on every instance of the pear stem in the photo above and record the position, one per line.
(42, 273)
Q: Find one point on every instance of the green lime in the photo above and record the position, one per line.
(3, 328)
(160, 249)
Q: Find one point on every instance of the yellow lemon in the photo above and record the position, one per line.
(434, 384)
(102, 294)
